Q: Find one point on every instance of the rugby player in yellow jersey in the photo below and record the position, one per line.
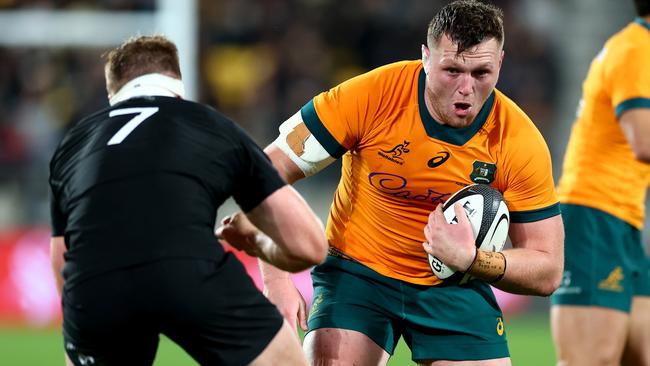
(410, 134)
(601, 313)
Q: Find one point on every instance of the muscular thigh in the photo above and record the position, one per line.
(589, 335)
(330, 346)
(353, 304)
(637, 347)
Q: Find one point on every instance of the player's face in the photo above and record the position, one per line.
(458, 85)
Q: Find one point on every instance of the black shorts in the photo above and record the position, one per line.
(211, 309)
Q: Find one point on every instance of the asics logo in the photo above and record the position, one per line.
(438, 160)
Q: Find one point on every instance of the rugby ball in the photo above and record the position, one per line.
(490, 219)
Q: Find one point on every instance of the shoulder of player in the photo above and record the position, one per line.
(507, 111)
(198, 114)
(400, 71)
(202, 116)
(77, 130)
(400, 67)
(513, 123)
(218, 124)
(630, 43)
(387, 75)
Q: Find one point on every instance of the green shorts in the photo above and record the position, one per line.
(445, 322)
(605, 263)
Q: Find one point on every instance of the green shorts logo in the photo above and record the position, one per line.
(613, 280)
(483, 172)
(315, 304)
(500, 326)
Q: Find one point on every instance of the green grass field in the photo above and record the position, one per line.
(529, 336)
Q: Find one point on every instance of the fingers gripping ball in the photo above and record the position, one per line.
(490, 220)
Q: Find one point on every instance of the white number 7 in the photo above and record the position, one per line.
(143, 113)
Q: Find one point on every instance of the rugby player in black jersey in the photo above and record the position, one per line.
(135, 192)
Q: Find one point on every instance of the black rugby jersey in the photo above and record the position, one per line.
(142, 180)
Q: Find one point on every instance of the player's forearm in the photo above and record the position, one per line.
(280, 257)
(530, 272)
(294, 238)
(57, 249)
(58, 277)
(271, 273)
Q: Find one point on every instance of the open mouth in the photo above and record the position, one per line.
(462, 109)
(462, 106)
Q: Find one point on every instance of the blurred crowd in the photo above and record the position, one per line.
(79, 4)
(260, 61)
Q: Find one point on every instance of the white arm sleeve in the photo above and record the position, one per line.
(308, 154)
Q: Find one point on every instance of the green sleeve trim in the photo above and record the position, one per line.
(316, 127)
(632, 104)
(535, 215)
(641, 21)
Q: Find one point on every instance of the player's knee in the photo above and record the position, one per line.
(284, 349)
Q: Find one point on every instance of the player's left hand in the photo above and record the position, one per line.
(239, 232)
(453, 244)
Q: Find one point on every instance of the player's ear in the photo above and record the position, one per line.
(425, 59)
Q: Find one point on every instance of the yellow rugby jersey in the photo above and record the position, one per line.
(399, 164)
(600, 169)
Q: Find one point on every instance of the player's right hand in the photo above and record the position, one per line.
(239, 232)
(284, 294)
(453, 244)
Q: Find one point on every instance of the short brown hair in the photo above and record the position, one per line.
(467, 23)
(139, 56)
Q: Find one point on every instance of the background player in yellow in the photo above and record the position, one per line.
(601, 313)
(410, 135)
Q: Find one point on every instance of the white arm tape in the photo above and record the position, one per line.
(313, 159)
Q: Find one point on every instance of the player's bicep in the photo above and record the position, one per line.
(636, 127)
(254, 177)
(287, 169)
(545, 235)
(301, 150)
